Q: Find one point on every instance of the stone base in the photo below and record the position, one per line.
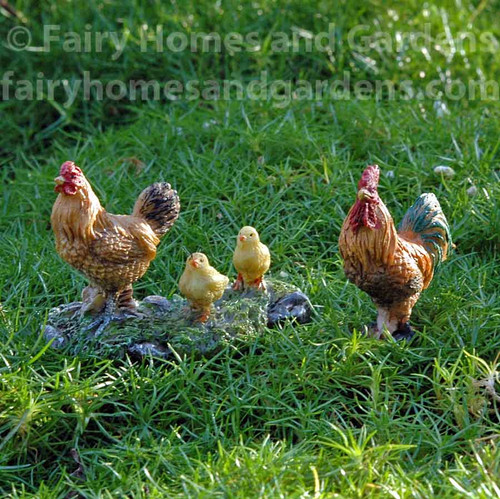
(162, 326)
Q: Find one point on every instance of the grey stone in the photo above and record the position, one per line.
(59, 338)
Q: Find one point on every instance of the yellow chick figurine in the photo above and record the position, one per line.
(201, 284)
(251, 259)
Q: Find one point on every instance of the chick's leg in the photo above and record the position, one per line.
(204, 314)
(198, 312)
(239, 284)
(259, 284)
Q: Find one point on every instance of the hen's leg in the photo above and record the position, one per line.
(125, 301)
(101, 323)
(94, 300)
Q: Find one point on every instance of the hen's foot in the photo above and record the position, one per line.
(104, 319)
(97, 326)
(102, 322)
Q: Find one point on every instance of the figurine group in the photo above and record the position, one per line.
(202, 285)
(113, 251)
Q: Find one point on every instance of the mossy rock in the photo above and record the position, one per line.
(164, 326)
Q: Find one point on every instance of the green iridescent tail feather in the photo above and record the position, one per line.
(426, 220)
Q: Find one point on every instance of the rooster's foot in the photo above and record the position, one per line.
(404, 332)
(372, 331)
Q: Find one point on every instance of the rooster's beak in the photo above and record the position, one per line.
(364, 195)
(59, 180)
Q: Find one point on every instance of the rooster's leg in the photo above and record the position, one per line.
(386, 320)
(396, 319)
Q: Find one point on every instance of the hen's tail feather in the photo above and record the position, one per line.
(159, 205)
(425, 221)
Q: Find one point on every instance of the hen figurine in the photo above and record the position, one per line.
(111, 251)
(392, 266)
(201, 284)
(251, 260)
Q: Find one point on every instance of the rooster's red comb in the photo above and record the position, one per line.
(370, 177)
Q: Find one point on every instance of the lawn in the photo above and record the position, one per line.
(303, 411)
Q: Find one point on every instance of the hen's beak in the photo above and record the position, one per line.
(243, 238)
(59, 180)
(364, 195)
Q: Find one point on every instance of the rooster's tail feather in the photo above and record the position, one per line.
(159, 205)
(425, 221)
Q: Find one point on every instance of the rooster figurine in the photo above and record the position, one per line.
(111, 251)
(392, 266)
(202, 285)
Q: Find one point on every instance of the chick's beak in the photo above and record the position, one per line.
(59, 180)
(243, 238)
(194, 263)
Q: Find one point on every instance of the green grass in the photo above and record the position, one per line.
(311, 411)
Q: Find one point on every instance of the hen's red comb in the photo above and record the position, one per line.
(68, 168)
(370, 177)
